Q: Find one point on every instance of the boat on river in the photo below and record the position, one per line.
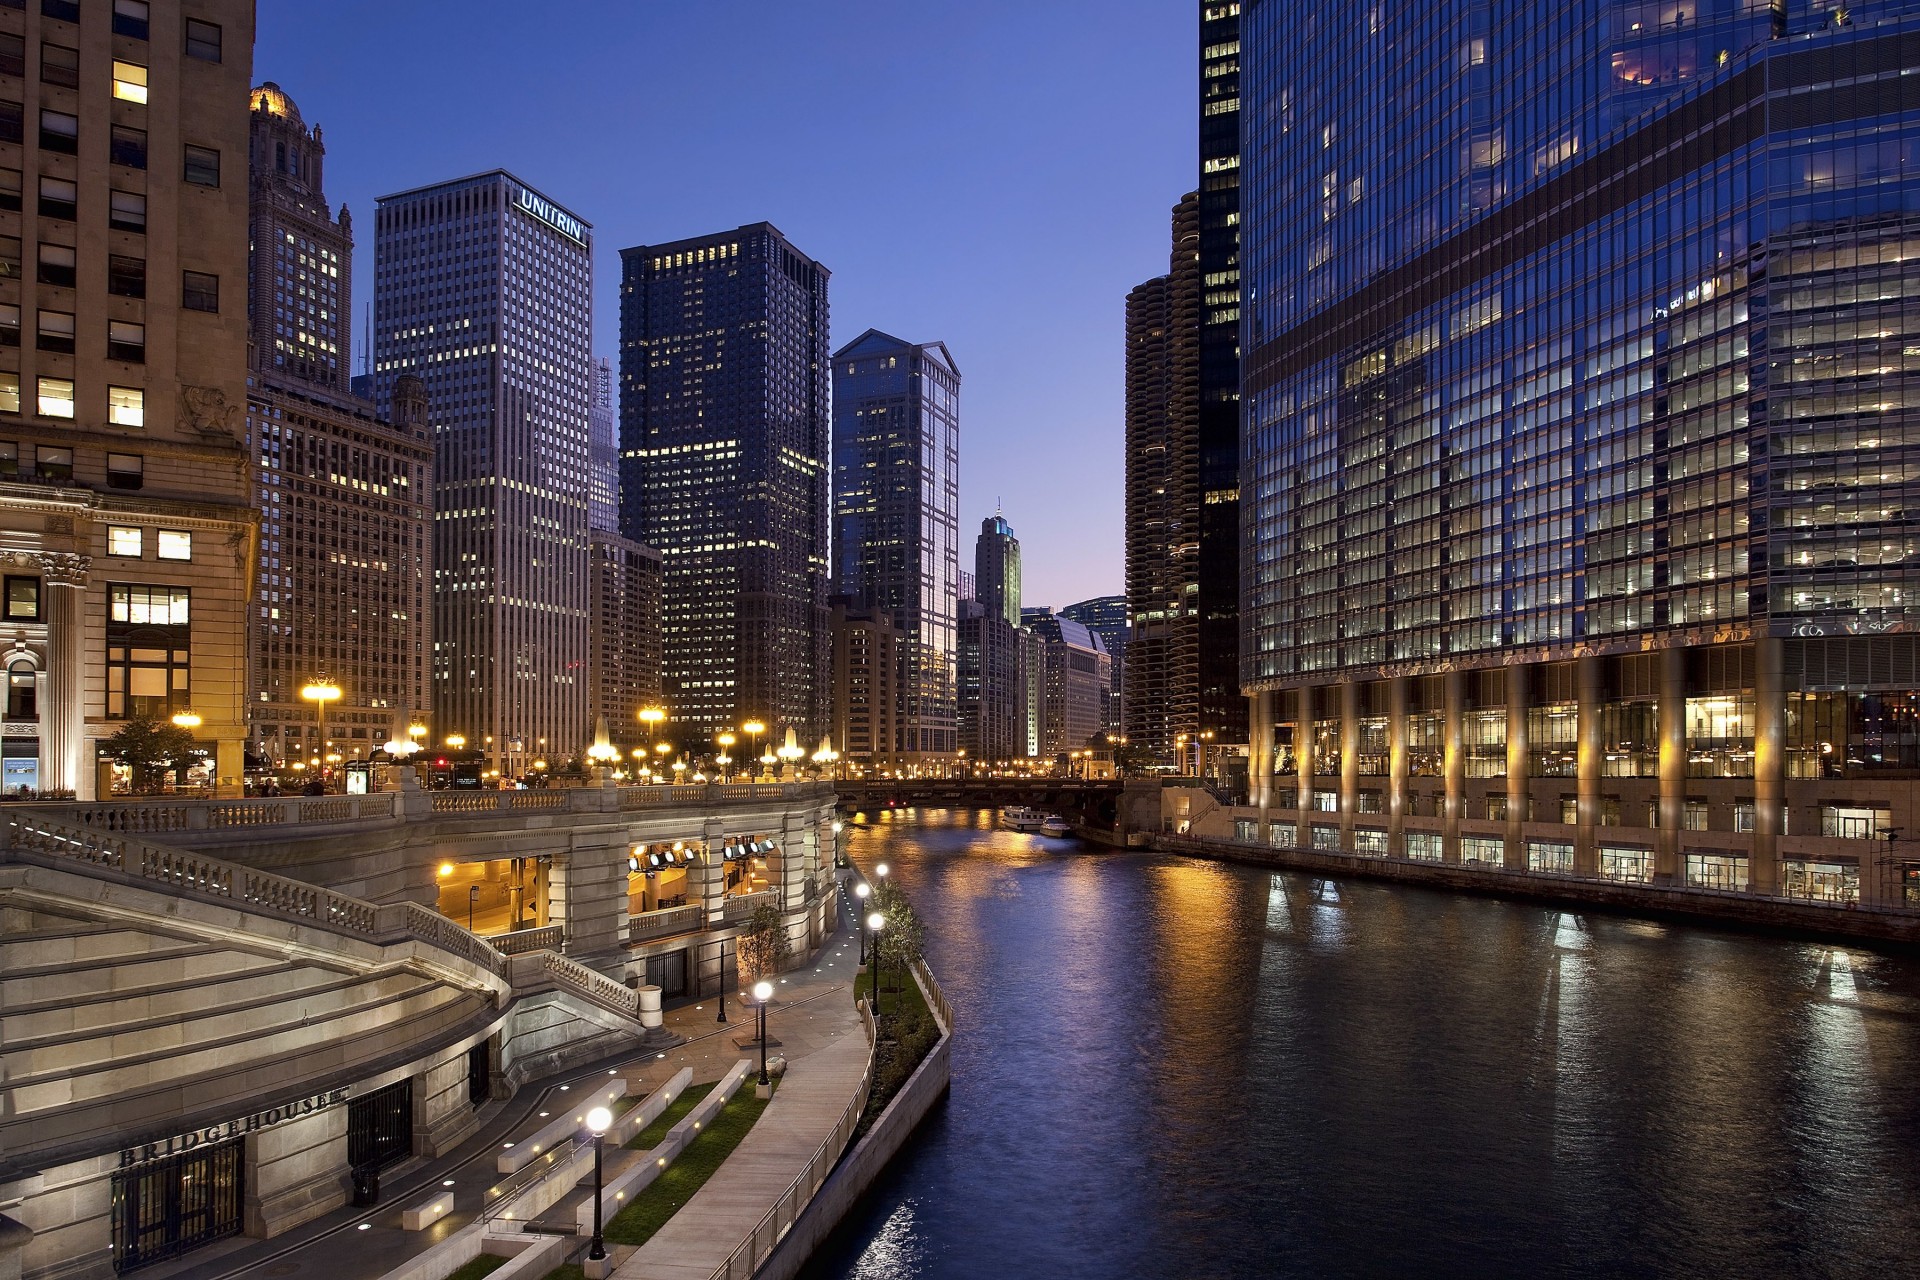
(1020, 818)
(1055, 825)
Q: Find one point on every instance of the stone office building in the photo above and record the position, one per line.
(126, 525)
(344, 491)
(1580, 533)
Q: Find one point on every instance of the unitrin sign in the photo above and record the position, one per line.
(553, 215)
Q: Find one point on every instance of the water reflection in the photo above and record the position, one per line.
(1177, 1068)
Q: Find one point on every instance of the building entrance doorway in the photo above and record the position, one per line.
(169, 1207)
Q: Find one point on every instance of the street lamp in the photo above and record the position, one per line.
(726, 741)
(861, 891)
(473, 900)
(651, 717)
(763, 992)
(456, 742)
(721, 1017)
(320, 693)
(187, 720)
(753, 729)
(876, 922)
(599, 1120)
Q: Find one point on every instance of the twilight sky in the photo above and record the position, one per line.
(995, 174)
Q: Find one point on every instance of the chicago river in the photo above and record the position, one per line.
(1172, 1067)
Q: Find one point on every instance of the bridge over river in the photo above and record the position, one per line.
(1096, 804)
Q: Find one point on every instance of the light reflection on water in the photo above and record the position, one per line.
(1177, 1068)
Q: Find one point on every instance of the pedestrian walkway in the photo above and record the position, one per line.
(813, 1019)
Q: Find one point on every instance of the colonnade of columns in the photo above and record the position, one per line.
(1590, 779)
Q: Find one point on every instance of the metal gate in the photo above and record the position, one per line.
(380, 1128)
(164, 1209)
(480, 1072)
(669, 973)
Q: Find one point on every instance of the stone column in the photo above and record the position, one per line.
(1770, 767)
(1303, 757)
(1589, 686)
(1453, 764)
(1349, 758)
(1260, 752)
(1667, 866)
(64, 718)
(1397, 766)
(1518, 790)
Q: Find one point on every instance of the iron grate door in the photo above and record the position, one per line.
(380, 1127)
(172, 1206)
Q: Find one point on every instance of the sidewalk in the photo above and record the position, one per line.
(811, 1017)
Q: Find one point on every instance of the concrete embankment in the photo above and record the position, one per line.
(868, 1158)
(1730, 908)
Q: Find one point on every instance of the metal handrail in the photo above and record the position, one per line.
(746, 1256)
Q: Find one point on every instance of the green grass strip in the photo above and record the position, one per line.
(649, 1138)
(678, 1182)
(484, 1265)
(625, 1103)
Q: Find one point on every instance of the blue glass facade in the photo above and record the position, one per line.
(1575, 333)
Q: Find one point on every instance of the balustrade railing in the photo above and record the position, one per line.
(546, 938)
(161, 815)
(742, 906)
(665, 923)
(196, 875)
(536, 969)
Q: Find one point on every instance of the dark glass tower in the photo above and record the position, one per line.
(1222, 710)
(996, 568)
(1583, 537)
(896, 513)
(723, 468)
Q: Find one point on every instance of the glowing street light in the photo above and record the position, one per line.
(599, 1120)
(763, 992)
(320, 693)
(861, 891)
(187, 720)
(876, 922)
(753, 729)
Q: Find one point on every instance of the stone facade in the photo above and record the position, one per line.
(126, 530)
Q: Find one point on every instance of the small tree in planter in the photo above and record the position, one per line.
(899, 944)
(149, 748)
(763, 947)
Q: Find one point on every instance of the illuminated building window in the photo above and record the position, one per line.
(55, 398)
(129, 81)
(127, 406)
(124, 540)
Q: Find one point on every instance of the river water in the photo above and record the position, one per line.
(1168, 1067)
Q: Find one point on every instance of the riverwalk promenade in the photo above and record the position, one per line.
(818, 1031)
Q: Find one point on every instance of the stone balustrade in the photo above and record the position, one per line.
(546, 938)
(649, 925)
(163, 815)
(740, 907)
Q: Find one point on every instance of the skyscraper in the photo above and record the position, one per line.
(1163, 519)
(1106, 617)
(603, 499)
(344, 492)
(1580, 540)
(482, 286)
(624, 653)
(1074, 682)
(1222, 710)
(896, 500)
(724, 468)
(996, 568)
(127, 526)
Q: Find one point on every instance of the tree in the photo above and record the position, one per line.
(763, 948)
(150, 748)
(901, 941)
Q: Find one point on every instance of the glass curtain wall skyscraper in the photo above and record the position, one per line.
(1582, 531)
(482, 286)
(896, 516)
(723, 467)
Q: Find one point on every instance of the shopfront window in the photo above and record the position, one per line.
(1855, 822)
(1717, 871)
(1720, 736)
(1552, 856)
(1619, 862)
(1423, 846)
(1821, 881)
(1483, 851)
(1370, 841)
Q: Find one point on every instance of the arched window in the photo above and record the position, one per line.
(22, 695)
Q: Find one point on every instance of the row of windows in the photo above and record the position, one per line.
(54, 398)
(200, 39)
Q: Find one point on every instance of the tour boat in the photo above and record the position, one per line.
(1021, 818)
(1055, 825)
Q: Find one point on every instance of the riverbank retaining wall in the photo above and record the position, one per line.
(863, 1164)
(1740, 910)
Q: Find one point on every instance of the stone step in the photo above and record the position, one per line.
(116, 1011)
(89, 1063)
(29, 954)
(132, 975)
